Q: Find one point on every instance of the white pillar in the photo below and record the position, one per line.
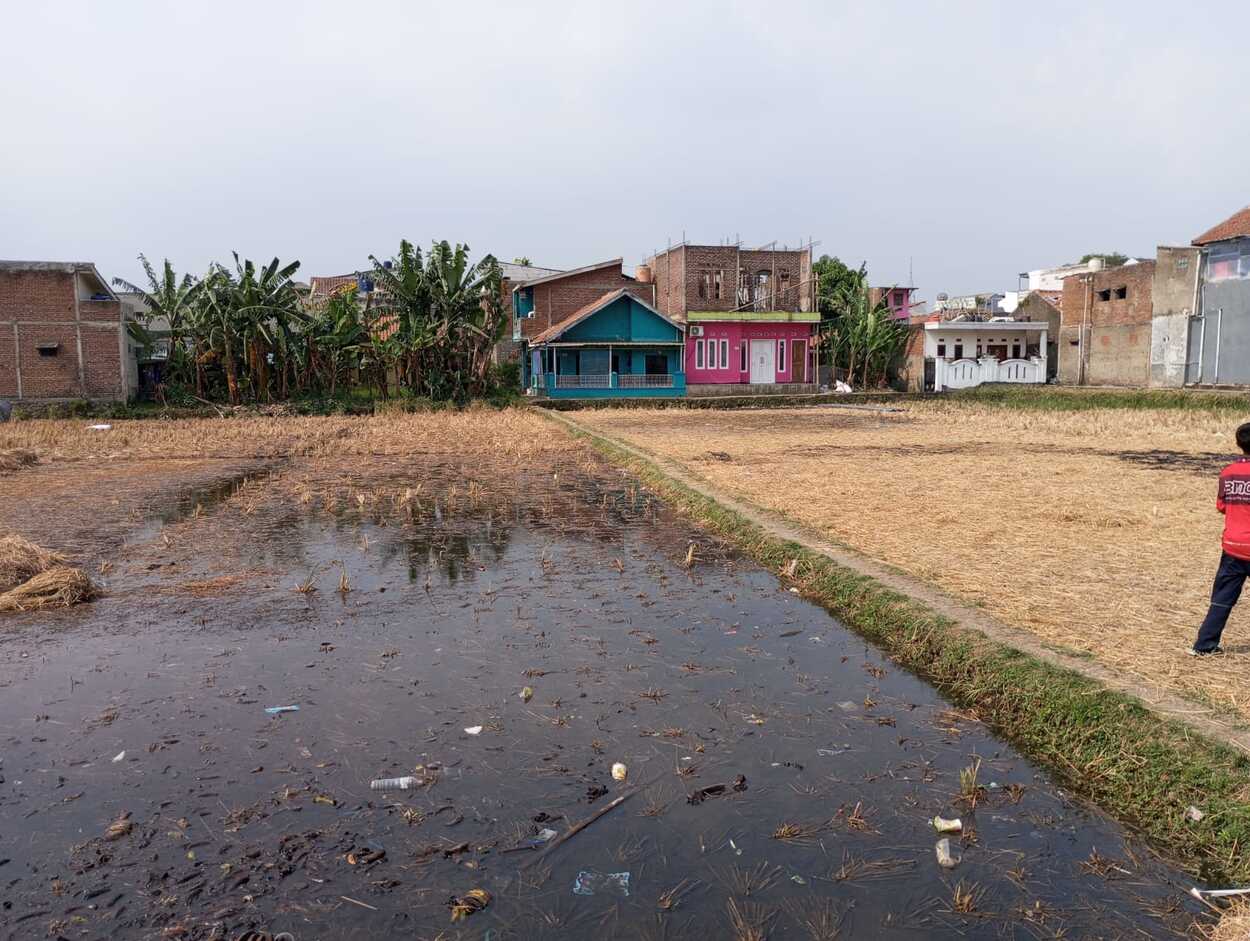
(1041, 356)
(939, 373)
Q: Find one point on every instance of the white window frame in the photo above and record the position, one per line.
(724, 354)
(781, 356)
(698, 354)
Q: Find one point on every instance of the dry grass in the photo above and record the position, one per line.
(58, 587)
(1234, 924)
(1094, 530)
(510, 433)
(21, 559)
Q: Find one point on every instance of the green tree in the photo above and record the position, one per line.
(835, 281)
(171, 301)
(1109, 259)
(864, 339)
(523, 260)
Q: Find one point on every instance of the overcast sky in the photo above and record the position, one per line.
(969, 141)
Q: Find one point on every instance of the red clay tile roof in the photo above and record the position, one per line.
(321, 288)
(1235, 226)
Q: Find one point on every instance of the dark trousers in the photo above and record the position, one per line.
(1229, 578)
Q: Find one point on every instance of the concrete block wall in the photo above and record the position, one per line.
(1174, 295)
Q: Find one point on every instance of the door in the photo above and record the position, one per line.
(763, 362)
(656, 364)
(798, 361)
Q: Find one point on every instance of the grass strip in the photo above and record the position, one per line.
(1103, 745)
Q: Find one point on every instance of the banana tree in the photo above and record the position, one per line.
(172, 300)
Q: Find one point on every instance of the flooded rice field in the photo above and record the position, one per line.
(502, 638)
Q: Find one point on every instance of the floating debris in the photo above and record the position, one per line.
(947, 856)
(278, 710)
(619, 771)
(473, 730)
(119, 828)
(471, 902)
(527, 693)
(393, 784)
(593, 882)
(942, 825)
(120, 756)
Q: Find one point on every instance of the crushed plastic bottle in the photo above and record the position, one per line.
(619, 771)
(393, 784)
(942, 825)
(593, 882)
(947, 856)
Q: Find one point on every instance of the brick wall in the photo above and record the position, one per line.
(38, 308)
(1109, 332)
(555, 300)
(679, 278)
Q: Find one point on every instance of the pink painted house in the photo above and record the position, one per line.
(749, 314)
(899, 300)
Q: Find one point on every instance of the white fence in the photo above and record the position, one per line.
(965, 373)
(591, 381)
(642, 381)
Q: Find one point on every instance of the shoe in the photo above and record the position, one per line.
(1203, 653)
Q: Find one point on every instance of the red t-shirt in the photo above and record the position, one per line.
(1233, 500)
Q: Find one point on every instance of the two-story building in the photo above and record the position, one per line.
(594, 332)
(749, 314)
(63, 334)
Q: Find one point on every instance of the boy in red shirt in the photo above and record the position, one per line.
(1233, 500)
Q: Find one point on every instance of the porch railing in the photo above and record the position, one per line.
(595, 381)
(630, 381)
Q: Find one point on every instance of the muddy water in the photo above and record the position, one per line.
(833, 761)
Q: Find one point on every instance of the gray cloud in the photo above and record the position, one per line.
(975, 139)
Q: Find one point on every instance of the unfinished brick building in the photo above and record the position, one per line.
(750, 315)
(62, 334)
(1105, 326)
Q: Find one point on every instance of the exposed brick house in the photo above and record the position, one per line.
(1105, 326)
(62, 334)
(750, 314)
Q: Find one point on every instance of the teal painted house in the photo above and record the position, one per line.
(617, 346)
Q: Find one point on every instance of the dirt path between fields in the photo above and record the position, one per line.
(1160, 700)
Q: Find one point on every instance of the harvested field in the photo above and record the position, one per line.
(1094, 529)
(485, 609)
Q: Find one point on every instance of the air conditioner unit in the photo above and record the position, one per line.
(696, 331)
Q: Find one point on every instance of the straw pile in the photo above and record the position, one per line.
(15, 459)
(32, 577)
(58, 587)
(21, 559)
(1094, 530)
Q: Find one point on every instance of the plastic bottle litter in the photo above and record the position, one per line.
(120, 756)
(465, 905)
(527, 693)
(393, 784)
(278, 710)
(593, 882)
(947, 856)
(619, 771)
(100, 427)
(473, 730)
(1201, 894)
(942, 825)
